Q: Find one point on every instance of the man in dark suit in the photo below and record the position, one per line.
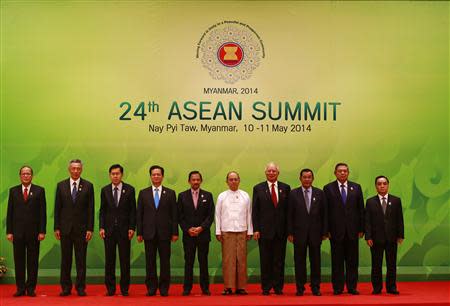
(195, 214)
(25, 227)
(117, 225)
(384, 230)
(157, 226)
(346, 225)
(269, 211)
(307, 227)
(74, 223)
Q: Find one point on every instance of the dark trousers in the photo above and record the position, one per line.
(344, 253)
(151, 278)
(300, 250)
(76, 240)
(377, 250)
(272, 253)
(190, 246)
(113, 241)
(26, 253)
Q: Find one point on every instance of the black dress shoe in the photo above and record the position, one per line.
(186, 292)
(19, 293)
(278, 292)
(353, 292)
(299, 293)
(316, 293)
(151, 293)
(31, 293)
(206, 292)
(65, 293)
(241, 292)
(124, 293)
(163, 293)
(110, 293)
(337, 292)
(376, 292)
(394, 291)
(265, 292)
(227, 291)
(81, 292)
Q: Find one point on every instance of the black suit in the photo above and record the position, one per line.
(346, 221)
(116, 220)
(73, 219)
(270, 222)
(189, 216)
(25, 221)
(308, 230)
(157, 226)
(384, 229)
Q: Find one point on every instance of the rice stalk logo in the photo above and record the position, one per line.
(231, 51)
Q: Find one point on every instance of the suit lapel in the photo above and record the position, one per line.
(302, 200)
(379, 207)
(109, 196)
(191, 200)
(337, 190)
(123, 192)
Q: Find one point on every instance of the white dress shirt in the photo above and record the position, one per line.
(119, 190)
(77, 182)
(276, 189)
(234, 212)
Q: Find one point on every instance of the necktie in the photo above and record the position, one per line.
(195, 198)
(308, 206)
(383, 204)
(116, 196)
(25, 194)
(343, 194)
(74, 191)
(274, 196)
(156, 198)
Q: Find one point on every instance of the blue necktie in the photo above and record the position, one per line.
(343, 194)
(156, 198)
(74, 192)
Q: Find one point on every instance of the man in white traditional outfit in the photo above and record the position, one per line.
(233, 229)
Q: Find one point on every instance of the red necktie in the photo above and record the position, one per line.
(274, 196)
(25, 194)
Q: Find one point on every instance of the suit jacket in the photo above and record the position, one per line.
(78, 215)
(124, 215)
(26, 219)
(382, 227)
(307, 227)
(189, 216)
(267, 219)
(162, 221)
(345, 218)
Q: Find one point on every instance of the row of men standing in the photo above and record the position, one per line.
(310, 214)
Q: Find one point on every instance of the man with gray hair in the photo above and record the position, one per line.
(74, 223)
(269, 211)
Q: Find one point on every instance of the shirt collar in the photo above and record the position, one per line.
(270, 184)
(159, 188)
(381, 197)
(344, 183)
(118, 186)
(309, 189)
(72, 181)
(28, 188)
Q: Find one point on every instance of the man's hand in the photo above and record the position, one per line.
(369, 242)
(219, 238)
(291, 238)
(130, 234)
(102, 233)
(192, 232)
(249, 237)
(58, 234)
(140, 238)
(256, 236)
(41, 236)
(174, 238)
(88, 235)
(10, 237)
(399, 240)
(198, 230)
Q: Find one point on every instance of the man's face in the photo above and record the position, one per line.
(382, 186)
(272, 173)
(195, 180)
(233, 181)
(341, 173)
(26, 176)
(156, 177)
(75, 170)
(307, 179)
(116, 176)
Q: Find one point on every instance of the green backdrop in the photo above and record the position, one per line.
(66, 66)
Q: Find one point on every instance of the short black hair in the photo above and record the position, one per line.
(116, 166)
(25, 166)
(194, 172)
(381, 176)
(156, 167)
(341, 164)
(306, 170)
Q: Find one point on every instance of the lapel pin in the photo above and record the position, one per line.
(280, 191)
(31, 194)
(164, 191)
(390, 203)
(201, 196)
(314, 199)
(123, 190)
(351, 188)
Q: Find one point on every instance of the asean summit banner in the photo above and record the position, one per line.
(228, 85)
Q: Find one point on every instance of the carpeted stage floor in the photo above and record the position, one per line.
(411, 293)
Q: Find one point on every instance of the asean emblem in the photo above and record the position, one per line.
(231, 52)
